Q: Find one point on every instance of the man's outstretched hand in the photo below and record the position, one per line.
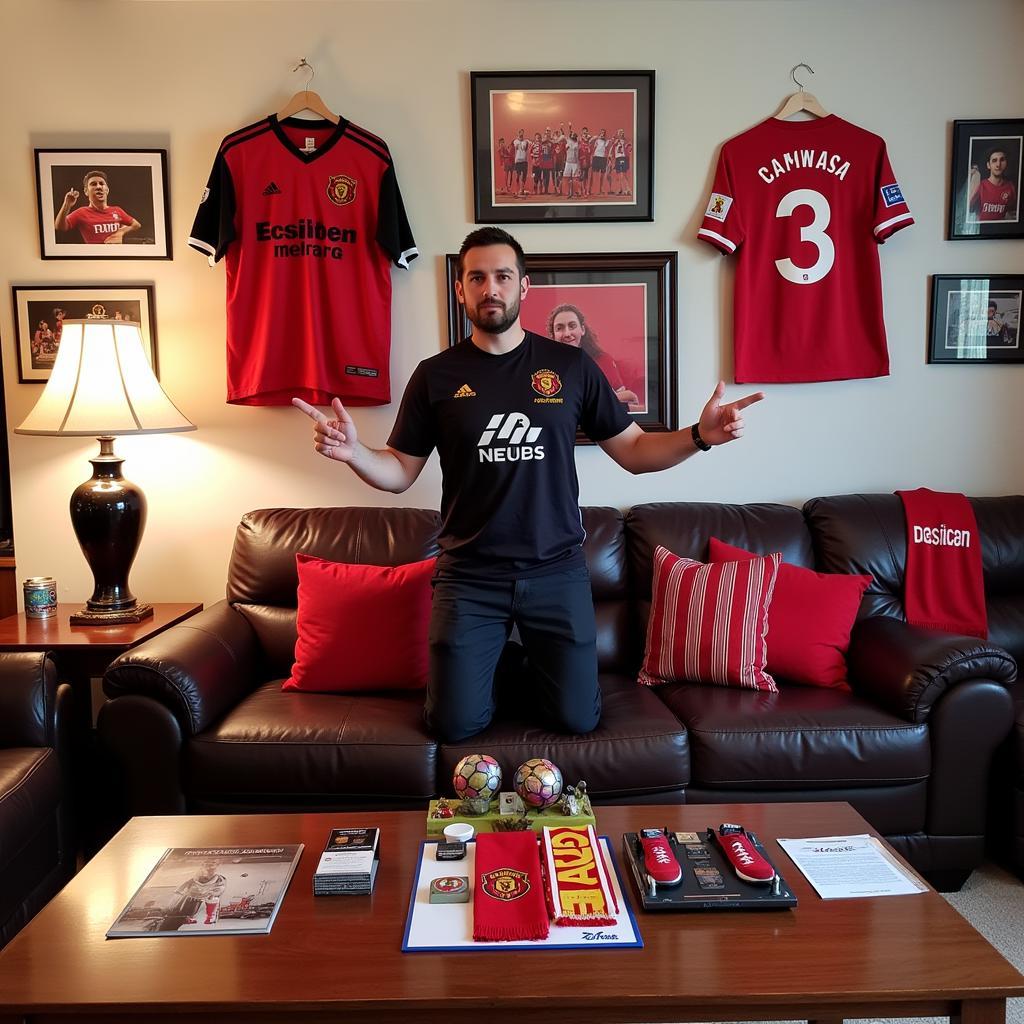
(720, 423)
(335, 439)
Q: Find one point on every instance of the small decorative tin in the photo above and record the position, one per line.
(40, 597)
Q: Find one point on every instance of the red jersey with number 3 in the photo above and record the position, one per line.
(804, 205)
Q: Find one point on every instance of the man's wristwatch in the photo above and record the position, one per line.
(699, 441)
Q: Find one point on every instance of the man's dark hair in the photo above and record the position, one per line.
(997, 149)
(490, 236)
(93, 174)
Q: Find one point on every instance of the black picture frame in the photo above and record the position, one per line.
(975, 143)
(137, 183)
(633, 296)
(503, 102)
(34, 304)
(962, 328)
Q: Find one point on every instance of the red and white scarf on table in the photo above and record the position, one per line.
(576, 881)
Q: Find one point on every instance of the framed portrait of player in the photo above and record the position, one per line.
(562, 145)
(620, 308)
(40, 311)
(986, 179)
(976, 319)
(103, 204)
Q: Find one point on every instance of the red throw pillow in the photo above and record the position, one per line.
(708, 622)
(810, 620)
(361, 627)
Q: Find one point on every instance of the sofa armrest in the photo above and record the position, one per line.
(28, 699)
(907, 669)
(197, 669)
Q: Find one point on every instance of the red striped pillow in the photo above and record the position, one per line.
(709, 623)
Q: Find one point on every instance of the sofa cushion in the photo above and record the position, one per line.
(798, 738)
(809, 620)
(361, 627)
(638, 747)
(708, 623)
(30, 788)
(310, 747)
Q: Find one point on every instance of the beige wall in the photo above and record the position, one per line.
(182, 75)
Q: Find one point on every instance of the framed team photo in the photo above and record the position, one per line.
(562, 145)
(103, 204)
(986, 179)
(976, 319)
(40, 311)
(620, 308)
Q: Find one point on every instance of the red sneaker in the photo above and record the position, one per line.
(659, 861)
(743, 856)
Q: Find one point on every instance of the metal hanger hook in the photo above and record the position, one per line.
(303, 63)
(792, 74)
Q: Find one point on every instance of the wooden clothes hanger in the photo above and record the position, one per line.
(801, 100)
(306, 100)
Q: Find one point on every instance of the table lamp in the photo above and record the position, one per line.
(102, 385)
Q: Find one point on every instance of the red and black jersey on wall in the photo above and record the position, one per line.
(805, 204)
(309, 217)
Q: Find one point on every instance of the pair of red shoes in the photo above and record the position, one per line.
(660, 860)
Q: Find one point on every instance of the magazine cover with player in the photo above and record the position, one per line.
(221, 890)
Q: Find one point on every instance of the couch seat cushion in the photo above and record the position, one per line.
(638, 748)
(797, 738)
(312, 745)
(29, 795)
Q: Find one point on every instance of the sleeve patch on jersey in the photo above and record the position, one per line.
(891, 195)
(718, 206)
(204, 196)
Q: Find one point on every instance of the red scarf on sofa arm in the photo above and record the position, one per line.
(943, 585)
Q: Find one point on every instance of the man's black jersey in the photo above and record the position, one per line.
(504, 427)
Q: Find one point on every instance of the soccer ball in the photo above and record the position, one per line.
(538, 782)
(477, 775)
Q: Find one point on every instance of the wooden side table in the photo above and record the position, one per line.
(84, 652)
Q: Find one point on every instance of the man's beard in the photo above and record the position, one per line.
(486, 321)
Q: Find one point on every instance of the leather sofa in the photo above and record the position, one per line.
(198, 722)
(37, 850)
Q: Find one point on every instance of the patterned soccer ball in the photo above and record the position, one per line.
(538, 782)
(477, 775)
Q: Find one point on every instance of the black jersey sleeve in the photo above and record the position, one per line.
(394, 235)
(214, 227)
(602, 415)
(413, 432)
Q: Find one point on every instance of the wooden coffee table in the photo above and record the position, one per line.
(338, 958)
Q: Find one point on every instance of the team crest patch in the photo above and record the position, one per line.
(546, 383)
(505, 884)
(718, 206)
(891, 195)
(341, 189)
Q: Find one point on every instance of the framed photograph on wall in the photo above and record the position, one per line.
(40, 310)
(103, 204)
(976, 319)
(562, 145)
(986, 179)
(619, 307)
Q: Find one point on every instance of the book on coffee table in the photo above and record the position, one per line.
(210, 890)
(348, 865)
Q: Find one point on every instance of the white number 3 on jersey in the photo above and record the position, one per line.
(813, 233)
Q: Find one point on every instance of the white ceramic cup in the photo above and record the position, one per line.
(458, 832)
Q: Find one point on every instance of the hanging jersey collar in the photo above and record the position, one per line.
(318, 124)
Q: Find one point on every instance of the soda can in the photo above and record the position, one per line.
(40, 597)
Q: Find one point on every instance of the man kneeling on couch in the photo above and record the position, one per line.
(502, 408)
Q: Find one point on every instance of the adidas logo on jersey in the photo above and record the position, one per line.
(465, 392)
(272, 190)
(513, 428)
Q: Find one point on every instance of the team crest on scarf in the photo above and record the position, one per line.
(341, 189)
(505, 884)
(546, 383)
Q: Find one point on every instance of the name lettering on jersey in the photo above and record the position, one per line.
(891, 195)
(819, 159)
(465, 392)
(307, 234)
(106, 229)
(718, 206)
(341, 189)
(513, 428)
